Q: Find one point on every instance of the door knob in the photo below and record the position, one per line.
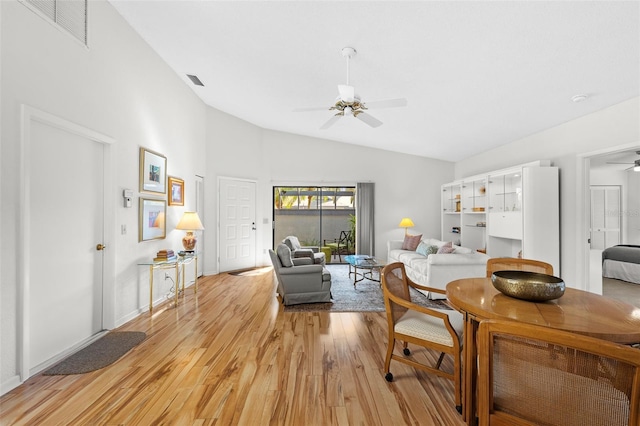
(100, 247)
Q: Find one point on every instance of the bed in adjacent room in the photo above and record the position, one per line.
(622, 262)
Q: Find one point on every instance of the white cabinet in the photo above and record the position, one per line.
(505, 193)
(474, 211)
(505, 205)
(505, 225)
(451, 208)
(510, 213)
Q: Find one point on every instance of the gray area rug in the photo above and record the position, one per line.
(99, 354)
(365, 297)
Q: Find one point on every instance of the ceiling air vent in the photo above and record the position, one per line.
(195, 80)
(68, 14)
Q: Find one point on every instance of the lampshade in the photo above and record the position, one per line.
(406, 223)
(190, 222)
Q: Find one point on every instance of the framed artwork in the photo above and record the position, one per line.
(153, 172)
(151, 220)
(176, 191)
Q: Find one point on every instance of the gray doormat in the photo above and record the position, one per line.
(104, 351)
(365, 297)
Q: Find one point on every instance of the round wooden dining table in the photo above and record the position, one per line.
(576, 311)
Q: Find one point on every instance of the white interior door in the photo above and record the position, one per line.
(605, 216)
(237, 234)
(200, 211)
(65, 223)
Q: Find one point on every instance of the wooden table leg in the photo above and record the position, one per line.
(469, 409)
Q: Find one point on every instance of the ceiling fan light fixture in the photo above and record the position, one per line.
(348, 103)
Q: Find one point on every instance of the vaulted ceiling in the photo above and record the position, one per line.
(476, 75)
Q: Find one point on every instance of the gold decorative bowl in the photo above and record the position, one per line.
(530, 286)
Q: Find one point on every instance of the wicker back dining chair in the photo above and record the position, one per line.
(516, 264)
(436, 329)
(580, 381)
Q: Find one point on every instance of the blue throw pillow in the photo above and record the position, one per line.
(422, 248)
(425, 249)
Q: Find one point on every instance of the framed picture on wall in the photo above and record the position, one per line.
(151, 219)
(176, 191)
(153, 172)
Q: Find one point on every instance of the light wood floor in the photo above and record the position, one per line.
(231, 356)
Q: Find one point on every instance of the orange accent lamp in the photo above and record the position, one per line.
(190, 222)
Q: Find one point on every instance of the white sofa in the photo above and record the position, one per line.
(437, 270)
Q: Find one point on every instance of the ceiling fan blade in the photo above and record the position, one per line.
(347, 93)
(331, 122)
(387, 103)
(369, 119)
(305, 109)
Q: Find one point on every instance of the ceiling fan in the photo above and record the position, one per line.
(635, 165)
(348, 103)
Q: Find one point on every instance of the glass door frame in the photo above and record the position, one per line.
(334, 206)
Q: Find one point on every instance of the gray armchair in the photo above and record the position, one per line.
(299, 281)
(297, 251)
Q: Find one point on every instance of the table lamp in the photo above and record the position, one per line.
(190, 222)
(406, 223)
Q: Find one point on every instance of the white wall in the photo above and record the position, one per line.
(118, 87)
(121, 88)
(405, 185)
(632, 211)
(611, 127)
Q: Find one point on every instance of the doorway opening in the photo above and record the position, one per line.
(611, 214)
(318, 216)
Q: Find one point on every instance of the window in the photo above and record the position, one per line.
(313, 214)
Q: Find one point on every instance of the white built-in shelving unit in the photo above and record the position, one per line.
(507, 213)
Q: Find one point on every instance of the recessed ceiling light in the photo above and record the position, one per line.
(579, 98)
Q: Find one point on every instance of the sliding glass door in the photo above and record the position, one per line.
(316, 215)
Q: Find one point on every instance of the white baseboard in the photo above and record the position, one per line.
(10, 384)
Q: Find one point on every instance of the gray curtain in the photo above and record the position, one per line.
(365, 242)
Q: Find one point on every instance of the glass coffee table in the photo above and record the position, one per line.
(367, 264)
